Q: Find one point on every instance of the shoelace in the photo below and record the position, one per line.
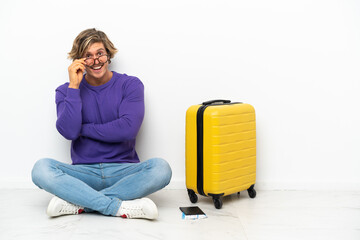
(70, 208)
(133, 211)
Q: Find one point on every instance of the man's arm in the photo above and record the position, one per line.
(126, 127)
(69, 119)
(69, 104)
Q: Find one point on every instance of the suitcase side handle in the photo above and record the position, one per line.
(216, 101)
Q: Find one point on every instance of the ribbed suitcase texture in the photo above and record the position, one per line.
(220, 149)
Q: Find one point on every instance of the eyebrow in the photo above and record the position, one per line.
(100, 49)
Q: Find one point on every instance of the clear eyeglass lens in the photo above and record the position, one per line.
(89, 61)
(103, 59)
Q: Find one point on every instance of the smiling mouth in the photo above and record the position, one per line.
(97, 67)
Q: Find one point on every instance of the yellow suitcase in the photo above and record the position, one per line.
(220, 150)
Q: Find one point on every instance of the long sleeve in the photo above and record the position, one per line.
(130, 117)
(68, 106)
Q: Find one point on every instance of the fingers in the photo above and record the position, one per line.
(76, 71)
(77, 65)
(80, 60)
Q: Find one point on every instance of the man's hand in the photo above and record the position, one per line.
(76, 71)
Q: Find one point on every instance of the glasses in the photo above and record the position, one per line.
(102, 59)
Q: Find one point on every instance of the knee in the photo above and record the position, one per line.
(162, 170)
(40, 171)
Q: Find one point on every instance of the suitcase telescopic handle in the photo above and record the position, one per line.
(216, 101)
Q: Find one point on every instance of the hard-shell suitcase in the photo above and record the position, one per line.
(220, 150)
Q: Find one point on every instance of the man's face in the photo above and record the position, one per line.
(97, 61)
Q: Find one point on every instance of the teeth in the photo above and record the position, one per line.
(96, 68)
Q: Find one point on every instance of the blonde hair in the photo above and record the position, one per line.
(87, 37)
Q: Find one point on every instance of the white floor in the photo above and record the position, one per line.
(271, 215)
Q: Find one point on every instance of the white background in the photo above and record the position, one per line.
(296, 62)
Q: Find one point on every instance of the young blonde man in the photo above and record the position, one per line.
(101, 112)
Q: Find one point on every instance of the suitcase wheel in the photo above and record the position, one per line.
(192, 195)
(252, 192)
(217, 202)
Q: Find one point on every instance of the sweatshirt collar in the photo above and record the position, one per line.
(100, 87)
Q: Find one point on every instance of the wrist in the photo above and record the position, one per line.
(75, 86)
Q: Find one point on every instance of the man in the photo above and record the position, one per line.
(101, 112)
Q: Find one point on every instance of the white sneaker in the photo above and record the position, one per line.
(138, 208)
(59, 207)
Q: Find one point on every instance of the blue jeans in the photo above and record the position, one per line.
(101, 187)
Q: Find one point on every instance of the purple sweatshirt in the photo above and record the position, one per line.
(101, 121)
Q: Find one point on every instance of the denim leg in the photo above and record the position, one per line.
(63, 180)
(137, 180)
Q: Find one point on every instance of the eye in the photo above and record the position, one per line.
(100, 53)
(88, 56)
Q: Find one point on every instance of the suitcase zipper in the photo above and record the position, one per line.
(200, 149)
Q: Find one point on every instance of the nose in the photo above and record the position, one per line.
(96, 61)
